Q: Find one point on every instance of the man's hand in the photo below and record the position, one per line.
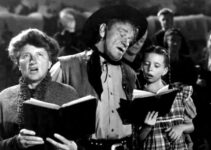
(26, 138)
(65, 143)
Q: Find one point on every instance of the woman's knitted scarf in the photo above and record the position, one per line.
(25, 93)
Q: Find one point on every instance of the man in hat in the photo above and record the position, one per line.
(99, 71)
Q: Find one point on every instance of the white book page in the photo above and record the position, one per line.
(163, 89)
(42, 103)
(141, 93)
(80, 100)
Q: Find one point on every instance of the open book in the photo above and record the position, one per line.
(143, 101)
(73, 119)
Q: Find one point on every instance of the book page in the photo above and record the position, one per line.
(163, 89)
(83, 99)
(36, 102)
(141, 93)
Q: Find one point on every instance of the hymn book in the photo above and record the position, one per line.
(136, 110)
(72, 120)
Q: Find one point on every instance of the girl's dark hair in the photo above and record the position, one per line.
(36, 38)
(158, 50)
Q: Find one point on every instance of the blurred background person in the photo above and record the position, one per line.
(9, 72)
(70, 24)
(166, 19)
(182, 66)
(203, 88)
(183, 70)
(51, 16)
(26, 7)
(5, 62)
(133, 56)
(133, 52)
(205, 65)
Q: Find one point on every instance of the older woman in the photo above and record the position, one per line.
(33, 52)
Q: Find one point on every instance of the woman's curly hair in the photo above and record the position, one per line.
(36, 38)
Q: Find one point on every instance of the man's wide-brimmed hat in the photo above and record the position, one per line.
(90, 32)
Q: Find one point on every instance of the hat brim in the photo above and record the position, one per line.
(103, 15)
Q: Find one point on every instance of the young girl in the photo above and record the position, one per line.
(167, 132)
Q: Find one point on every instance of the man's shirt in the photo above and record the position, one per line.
(108, 122)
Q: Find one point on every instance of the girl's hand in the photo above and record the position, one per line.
(151, 118)
(175, 132)
(65, 143)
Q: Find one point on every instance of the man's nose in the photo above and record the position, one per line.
(126, 42)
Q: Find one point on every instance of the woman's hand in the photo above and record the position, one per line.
(26, 138)
(65, 143)
(151, 118)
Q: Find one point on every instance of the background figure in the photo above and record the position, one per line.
(134, 51)
(9, 73)
(70, 26)
(33, 52)
(169, 131)
(26, 7)
(5, 62)
(203, 88)
(51, 16)
(99, 71)
(205, 65)
(133, 56)
(50, 26)
(182, 67)
(166, 19)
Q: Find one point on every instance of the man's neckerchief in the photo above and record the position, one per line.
(94, 69)
(25, 94)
